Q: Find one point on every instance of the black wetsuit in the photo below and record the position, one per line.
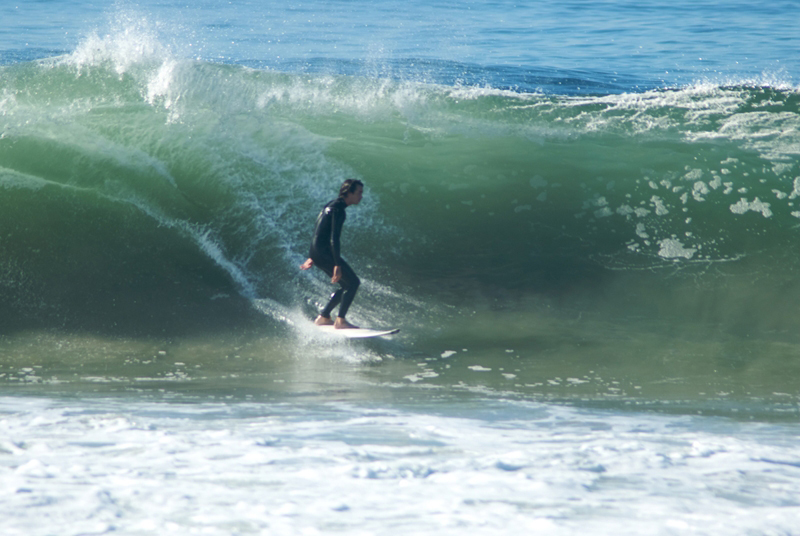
(325, 252)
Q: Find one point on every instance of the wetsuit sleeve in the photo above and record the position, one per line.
(337, 221)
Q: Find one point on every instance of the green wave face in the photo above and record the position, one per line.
(135, 192)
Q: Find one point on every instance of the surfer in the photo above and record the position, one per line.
(325, 254)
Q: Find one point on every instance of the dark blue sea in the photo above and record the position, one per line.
(583, 217)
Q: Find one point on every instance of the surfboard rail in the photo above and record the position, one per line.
(358, 333)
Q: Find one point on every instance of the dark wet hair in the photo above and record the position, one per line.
(349, 186)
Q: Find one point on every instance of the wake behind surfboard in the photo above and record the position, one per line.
(359, 333)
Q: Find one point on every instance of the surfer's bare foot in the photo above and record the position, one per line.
(323, 321)
(341, 323)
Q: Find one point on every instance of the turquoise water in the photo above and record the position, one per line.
(582, 216)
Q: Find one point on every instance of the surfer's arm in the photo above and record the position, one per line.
(337, 271)
(337, 220)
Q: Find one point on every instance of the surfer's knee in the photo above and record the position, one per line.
(350, 280)
(354, 283)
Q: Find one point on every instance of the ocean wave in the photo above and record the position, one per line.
(484, 186)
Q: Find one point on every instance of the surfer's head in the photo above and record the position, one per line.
(351, 191)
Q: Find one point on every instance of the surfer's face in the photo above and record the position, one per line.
(354, 198)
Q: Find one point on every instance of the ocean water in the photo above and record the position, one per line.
(583, 217)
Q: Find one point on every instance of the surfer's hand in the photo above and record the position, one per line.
(306, 265)
(337, 274)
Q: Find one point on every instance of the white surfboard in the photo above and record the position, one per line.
(359, 333)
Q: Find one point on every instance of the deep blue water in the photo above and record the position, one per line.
(628, 43)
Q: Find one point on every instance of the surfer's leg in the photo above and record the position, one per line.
(343, 296)
(350, 283)
(326, 265)
(336, 298)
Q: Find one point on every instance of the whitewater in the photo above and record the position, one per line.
(582, 216)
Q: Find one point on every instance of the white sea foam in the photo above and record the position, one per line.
(135, 467)
(672, 248)
(756, 205)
